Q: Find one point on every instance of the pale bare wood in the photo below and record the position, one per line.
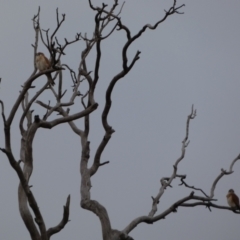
(29, 210)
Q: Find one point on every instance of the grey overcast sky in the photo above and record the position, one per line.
(189, 59)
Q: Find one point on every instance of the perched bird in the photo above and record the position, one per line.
(232, 199)
(43, 64)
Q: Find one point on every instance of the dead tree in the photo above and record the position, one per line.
(29, 124)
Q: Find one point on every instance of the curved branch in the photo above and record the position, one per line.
(64, 221)
(102, 214)
(172, 208)
(182, 177)
(109, 92)
(108, 129)
(223, 172)
(233, 162)
(91, 6)
(171, 11)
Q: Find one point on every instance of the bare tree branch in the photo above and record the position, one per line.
(233, 162)
(36, 27)
(105, 18)
(25, 195)
(65, 114)
(75, 116)
(223, 172)
(3, 114)
(63, 222)
(26, 86)
(163, 181)
(182, 177)
(208, 205)
(29, 105)
(86, 173)
(36, 226)
(150, 219)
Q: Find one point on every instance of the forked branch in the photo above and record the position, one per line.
(223, 172)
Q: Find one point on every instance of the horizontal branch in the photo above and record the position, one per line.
(172, 208)
(58, 121)
(64, 113)
(208, 205)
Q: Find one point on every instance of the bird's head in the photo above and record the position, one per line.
(39, 54)
(231, 191)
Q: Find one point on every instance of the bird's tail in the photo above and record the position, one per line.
(50, 80)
